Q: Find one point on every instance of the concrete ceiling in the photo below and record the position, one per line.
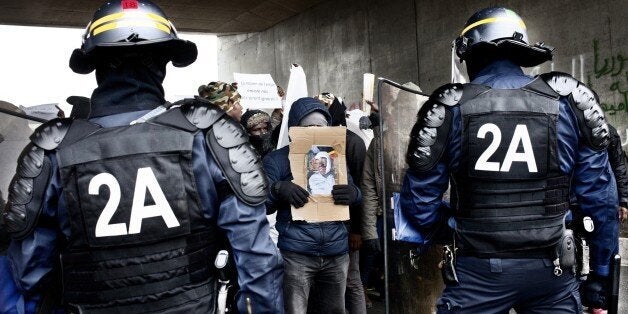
(207, 16)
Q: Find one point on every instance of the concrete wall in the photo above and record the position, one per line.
(404, 40)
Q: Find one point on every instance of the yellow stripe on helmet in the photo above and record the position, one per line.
(129, 15)
(501, 19)
(157, 18)
(114, 25)
(106, 19)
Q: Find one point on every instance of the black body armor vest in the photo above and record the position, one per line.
(509, 194)
(139, 241)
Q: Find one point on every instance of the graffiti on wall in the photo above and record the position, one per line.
(611, 66)
(608, 77)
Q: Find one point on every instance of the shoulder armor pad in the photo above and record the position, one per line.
(200, 112)
(239, 161)
(50, 134)
(590, 115)
(429, 134)
(448, 94)
(561, 83)
(26, 191)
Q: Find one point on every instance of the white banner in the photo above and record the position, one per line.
(258, 91)
(297, 88)
(457, 72)
(367, 92)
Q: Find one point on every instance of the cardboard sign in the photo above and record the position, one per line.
(258, 91)
(317, 160)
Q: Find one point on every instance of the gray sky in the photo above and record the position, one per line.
(34, 66)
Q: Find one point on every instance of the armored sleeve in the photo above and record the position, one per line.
(582, 142)
(429, 134)
(31, 215)
(434, 146)
(230, 147)
(585, 104)
(28, 187)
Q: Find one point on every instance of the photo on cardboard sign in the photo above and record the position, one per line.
(322, 174)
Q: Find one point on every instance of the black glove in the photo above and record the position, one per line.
(594, 291)
(291, 193)
(344, 194)
(372, 245)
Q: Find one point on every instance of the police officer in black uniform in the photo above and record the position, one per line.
(512, 147)
(126, 206)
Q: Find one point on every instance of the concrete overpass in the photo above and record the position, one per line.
(403, 40)
(212, 16)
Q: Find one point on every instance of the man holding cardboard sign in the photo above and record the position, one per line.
(312, 237)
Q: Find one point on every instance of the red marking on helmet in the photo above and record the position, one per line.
(129, 4)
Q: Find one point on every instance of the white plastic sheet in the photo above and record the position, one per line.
(297, 88)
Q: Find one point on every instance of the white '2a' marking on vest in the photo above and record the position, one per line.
(145, 180)
(520, 135)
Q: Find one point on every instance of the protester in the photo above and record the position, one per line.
(314, 253)
(129, 207)
(355, 152)
(276, 116)
(257, 125)
(371, 208)
(513, 146)
(223, 95)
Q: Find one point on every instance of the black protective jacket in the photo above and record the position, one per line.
(619, 163)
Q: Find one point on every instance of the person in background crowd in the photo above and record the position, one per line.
(355, 152)
(372, 223)
(223, 95)
(314, 253)
(277, 115)
(257, 125)
(619, 164)
(128, 207)
(513, 148)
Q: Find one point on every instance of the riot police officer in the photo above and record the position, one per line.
(126, 206)
(513, 147)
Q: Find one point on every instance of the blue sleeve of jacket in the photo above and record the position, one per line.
(596, 191)
(260, 267)
(258, 261)
(422, 192)
(594, 186)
